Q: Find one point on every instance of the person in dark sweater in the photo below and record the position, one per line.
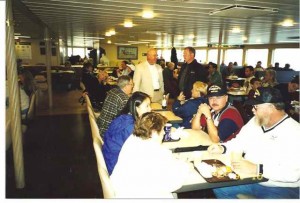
(286, 89)
(191, 71)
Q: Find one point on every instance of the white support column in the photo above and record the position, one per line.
(14, 100)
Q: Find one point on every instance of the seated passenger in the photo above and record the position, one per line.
(122, 126)
(220, 119)
(214, 77)
(254, 84)
(187, 108)
(270, 141)
(269, 78)
(145, 169)
(249, 74)
(114, 102)
(286, 89)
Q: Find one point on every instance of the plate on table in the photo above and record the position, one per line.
(214, 170)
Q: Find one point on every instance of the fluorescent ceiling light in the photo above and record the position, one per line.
(191, 36)
(244, 38)
(148, 14)
(287, 23)
(122, 44)
(138, 42)
(180, 37)
(236, 30)
(16, 33)
(91, 38)
(108, 42)
(27, 37)
(128, 23)
(107, 34)
(112, 32)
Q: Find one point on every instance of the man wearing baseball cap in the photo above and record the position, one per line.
(219, 119)
(270, 143)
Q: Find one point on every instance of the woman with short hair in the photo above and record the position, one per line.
(145, 169)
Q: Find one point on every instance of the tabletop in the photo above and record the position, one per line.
(172, 118)
(195, 181)
(156, 106)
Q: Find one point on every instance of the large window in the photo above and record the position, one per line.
(213, 55)
(77, 51)
(234, 55)
(254, 55)
(290, 56)
(201, 56)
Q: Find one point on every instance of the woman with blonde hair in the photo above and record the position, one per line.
(269, 79)
(145, 169)
(187, 108)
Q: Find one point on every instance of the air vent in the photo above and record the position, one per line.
(243, 11)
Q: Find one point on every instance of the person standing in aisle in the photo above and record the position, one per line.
(191, 71)
(148, 77)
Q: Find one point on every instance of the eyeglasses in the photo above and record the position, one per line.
(254, 107)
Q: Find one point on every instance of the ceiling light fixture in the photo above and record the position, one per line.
(180, 37)
(128, 23)
(108, 42)
(148, 14)
(112, 32)
(236, 30)
(287, 23)
(107, 34)
(244, 38)
(191, 36)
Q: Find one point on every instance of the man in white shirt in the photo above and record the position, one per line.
(270, 143)
(148, 77)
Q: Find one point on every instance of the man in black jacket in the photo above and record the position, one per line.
(191, 71)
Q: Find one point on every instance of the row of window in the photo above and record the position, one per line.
(282, 56)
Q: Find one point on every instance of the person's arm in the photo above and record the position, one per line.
(196, 125)
(211, 128)
(196, 121)
(137, 77)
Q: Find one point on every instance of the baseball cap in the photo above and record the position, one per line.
(265, 95)
(215, 90)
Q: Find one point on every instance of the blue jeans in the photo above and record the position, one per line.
(258, 191)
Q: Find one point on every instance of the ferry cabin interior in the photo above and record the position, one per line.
(58, 155)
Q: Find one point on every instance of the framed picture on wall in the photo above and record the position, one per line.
(127, 52)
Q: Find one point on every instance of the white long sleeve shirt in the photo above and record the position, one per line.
(277, 148)
(147, 170)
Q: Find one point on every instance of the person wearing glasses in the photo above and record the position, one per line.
(270, 144)
(219, 119)
(114, 102)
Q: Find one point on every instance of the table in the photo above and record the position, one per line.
(238, 94)
(195, 181)
(61, 78)
(156, 106)
(172, 118)
(231, 80)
